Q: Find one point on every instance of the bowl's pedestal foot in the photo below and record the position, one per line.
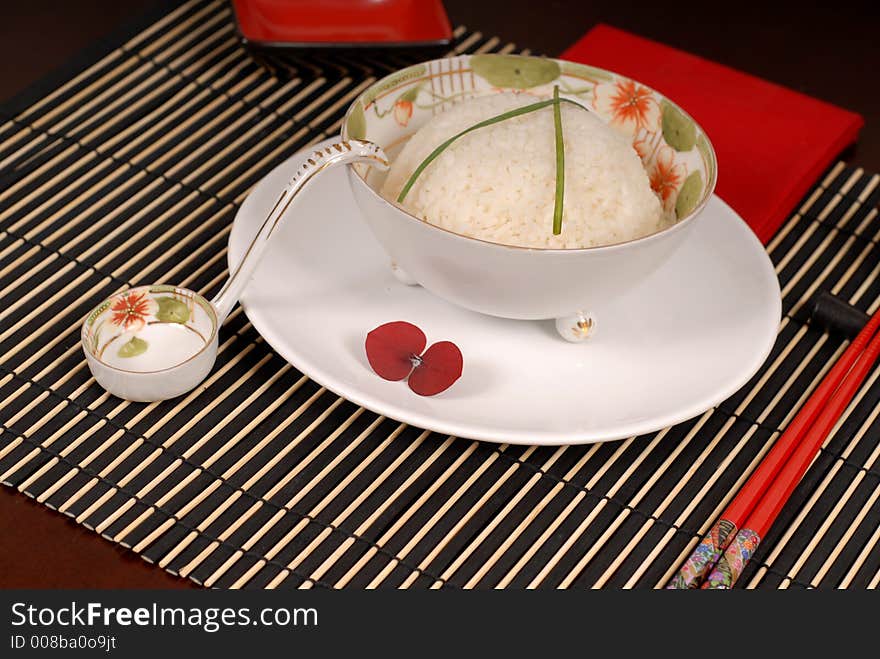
(576, 327)
(402, 275)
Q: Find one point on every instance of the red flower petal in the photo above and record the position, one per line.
(391, 347)
(441, 366)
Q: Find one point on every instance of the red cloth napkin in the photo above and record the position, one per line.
(772, 143)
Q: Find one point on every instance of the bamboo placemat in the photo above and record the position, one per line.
(132, 171)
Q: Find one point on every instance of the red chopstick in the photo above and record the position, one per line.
(711, 548)
(741, 549)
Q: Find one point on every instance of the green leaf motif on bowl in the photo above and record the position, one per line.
(678, 130)
(409, 96)
(357, 123)
(132, 348)
(515, 71)
(392, 81)
(584, 71)
(689, 195)
(172, 310)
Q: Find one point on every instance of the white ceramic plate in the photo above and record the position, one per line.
(683, 341)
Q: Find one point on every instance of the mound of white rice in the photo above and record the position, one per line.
(498, 183)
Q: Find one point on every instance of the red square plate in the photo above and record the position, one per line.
(342, 23)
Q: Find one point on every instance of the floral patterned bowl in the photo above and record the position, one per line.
(516, 282)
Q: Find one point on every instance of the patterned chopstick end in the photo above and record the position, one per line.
(704, 557)
(734, 561)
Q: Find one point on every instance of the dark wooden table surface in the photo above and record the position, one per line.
(831, 52)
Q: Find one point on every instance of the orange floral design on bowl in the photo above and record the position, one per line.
(629, 104)
(130, 310)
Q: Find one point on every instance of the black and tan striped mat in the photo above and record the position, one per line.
(132, 171)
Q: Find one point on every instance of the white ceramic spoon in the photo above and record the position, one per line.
(156, 342)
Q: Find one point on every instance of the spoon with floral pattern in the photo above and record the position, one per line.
(156, 342)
